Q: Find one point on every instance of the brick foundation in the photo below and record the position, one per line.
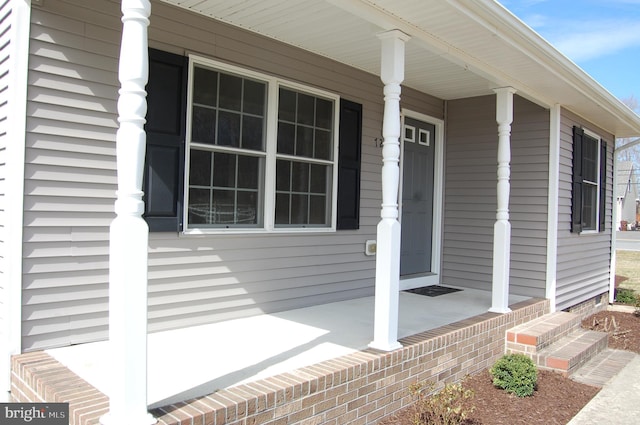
(591, 306)
(359, 388)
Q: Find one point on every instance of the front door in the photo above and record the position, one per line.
(417, 197)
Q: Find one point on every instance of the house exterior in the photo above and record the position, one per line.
(626, 194)
(279, 138)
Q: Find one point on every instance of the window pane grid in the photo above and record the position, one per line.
(305, 125)
(301, 193)
(300, 209)
(589, 206)
(230, 113)
(231, 194)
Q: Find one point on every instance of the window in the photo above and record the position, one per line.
(590, 182)
(304, 166)
(243, 150)
(227, 150)
(589, 178)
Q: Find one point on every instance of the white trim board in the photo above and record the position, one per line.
(15, 158)
(552, 206)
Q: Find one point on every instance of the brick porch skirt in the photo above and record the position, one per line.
(359, 388)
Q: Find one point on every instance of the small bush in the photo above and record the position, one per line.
(449, 406)
(515, 373)
(625, 296)
(636, 304)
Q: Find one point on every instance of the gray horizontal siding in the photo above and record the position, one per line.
(470, 170)
(70, 184)
(470, 195)
(583, 265)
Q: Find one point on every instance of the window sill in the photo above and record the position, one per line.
(278, 231)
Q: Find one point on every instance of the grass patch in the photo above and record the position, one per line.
(628, 265)
(625, 296)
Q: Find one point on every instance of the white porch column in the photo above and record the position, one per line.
(385, 333)
(129, 233)
(502, 227)
(553, 205)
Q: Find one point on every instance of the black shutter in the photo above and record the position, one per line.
(576, 192)
(349, 165)
(603, 185)
(165, 127)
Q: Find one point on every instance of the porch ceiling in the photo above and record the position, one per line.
(458, 49)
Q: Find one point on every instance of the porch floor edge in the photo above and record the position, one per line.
(362, 387)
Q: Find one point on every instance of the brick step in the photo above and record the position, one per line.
(604, 366)
(572, 351)
(531, 337)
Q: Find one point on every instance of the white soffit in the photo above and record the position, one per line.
(342, 35)
(458, 48)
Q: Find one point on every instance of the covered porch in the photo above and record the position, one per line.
(305, 363)
(345, 362)
(128, 346)
(410, 337)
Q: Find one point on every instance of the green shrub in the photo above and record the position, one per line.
(515, 373)
(449, 406)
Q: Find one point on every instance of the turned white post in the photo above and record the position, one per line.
(502, 227)
(387, 286)
(129, 233)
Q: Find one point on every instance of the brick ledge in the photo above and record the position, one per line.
(358, 388)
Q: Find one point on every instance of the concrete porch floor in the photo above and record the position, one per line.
(191, 362)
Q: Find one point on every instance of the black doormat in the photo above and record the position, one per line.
(433, 290)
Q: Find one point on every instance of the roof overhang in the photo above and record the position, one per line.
(458, 48)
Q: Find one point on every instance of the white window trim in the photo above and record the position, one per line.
(412, 129)
(597, 183)
(270, 153)
(428, 137)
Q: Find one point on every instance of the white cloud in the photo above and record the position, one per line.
(586, 41)
(536, 20)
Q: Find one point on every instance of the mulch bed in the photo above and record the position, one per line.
(623, 328)
(556, 399)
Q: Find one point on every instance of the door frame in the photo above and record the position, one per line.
(432, 278)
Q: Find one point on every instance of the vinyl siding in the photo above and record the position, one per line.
(583, 264)
(70, 178)
(71, 183)
(470, 195)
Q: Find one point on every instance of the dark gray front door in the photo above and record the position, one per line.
(417, 197)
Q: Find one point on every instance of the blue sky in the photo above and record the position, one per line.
(600, 36)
